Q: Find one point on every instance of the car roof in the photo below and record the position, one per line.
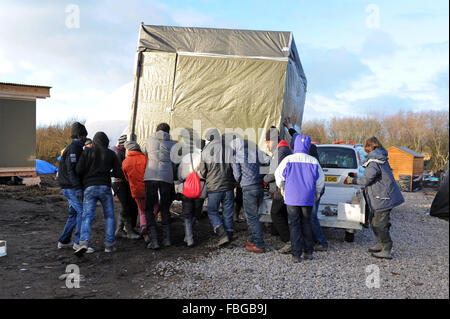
(336, 145)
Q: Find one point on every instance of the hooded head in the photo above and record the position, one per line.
(212, 134)
(302, 144)
(101, 140)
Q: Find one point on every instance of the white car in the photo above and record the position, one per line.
(342, 205)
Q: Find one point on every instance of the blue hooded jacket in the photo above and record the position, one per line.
(300, 175)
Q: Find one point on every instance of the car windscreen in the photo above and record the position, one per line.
(337, 157)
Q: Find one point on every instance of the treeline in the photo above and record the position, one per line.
(423, 132)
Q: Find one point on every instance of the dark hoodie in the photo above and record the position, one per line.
(96, 163)
(382, 191)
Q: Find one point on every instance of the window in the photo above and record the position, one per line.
(337, 157)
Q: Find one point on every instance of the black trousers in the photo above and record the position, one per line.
(129, 211)
(166, 191)
(279, 216)
(191, 207)
(238, 200)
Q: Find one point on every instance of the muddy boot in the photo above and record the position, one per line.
(120, 233)
(153, 244)
(377, 248)
(189, 236)
(223, 237)
(131, 233)
(166, 235)
(385, 252)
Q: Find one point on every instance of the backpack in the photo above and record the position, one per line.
(192, 187)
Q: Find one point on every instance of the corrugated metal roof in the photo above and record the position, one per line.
(407, 150)
(28, 85)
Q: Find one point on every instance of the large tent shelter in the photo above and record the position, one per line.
(235, 79)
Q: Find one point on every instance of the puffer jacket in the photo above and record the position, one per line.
(301, 175)
(247, 172)
(278, 154)
(96, 163)
(217, 166)
(133, 167)
(382, 192)
(67, 176)
(185, 168)
(159, 165)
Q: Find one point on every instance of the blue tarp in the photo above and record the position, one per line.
(43, 167)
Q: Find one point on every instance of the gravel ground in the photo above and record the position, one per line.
(420, 268)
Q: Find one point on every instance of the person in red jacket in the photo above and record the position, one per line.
(133, 167)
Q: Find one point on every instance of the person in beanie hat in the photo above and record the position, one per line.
(71, 185)
(133, 167)
(121, 188)
(88, 143)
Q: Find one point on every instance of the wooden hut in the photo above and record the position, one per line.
(405, 164)
(18, 128)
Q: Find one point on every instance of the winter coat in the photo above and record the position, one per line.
(278, 154)
(67, 176)
(185, 168)
(159, 165)
(248, 165)
(96, 163)
(301, 175)
(217, 167)
(382, 192)
(133, 168)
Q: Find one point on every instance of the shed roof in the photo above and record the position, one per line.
(23, 91)
(407, 150)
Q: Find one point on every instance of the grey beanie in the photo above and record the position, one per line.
(132, 146)
(212, 134)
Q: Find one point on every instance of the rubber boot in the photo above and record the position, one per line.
(153, 244)
(189, 236)
(223, 237)
(377, 248)
(120, 233)
(131, 233)
(385, 252)
(166, 235)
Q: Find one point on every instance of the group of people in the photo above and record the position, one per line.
(215, 167)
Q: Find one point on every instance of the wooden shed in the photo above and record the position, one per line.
(18, 127)
(405, 162)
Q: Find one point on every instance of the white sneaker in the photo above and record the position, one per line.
(88, 251)
(62, 246)
(110, 249)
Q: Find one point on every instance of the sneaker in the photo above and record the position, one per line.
(89, 250)
(296, 259)
(62, 246)
(306, 256)
(254, 249)
(286, 249)
(110, 249)
(81, 250)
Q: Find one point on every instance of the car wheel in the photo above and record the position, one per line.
(349, 237)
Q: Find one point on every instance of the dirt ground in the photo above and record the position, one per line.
(31, 221)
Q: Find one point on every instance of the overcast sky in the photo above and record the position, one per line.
(358, 56)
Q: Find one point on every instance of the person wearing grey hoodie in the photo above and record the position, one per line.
(382, 194)
(159, 176)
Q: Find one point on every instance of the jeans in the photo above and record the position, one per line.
(279, 216)
(75, 215)
(380, 222)
(129, 211)
(92, 194)
(252, 200)
(300, 225)
(151, 197)
(316, 228)
(227, 200)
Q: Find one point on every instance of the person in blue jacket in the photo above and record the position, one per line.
(382, 194)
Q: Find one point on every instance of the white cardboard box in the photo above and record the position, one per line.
(350, 212)
(2, 248)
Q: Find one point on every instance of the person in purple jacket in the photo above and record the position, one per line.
(301, 180)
